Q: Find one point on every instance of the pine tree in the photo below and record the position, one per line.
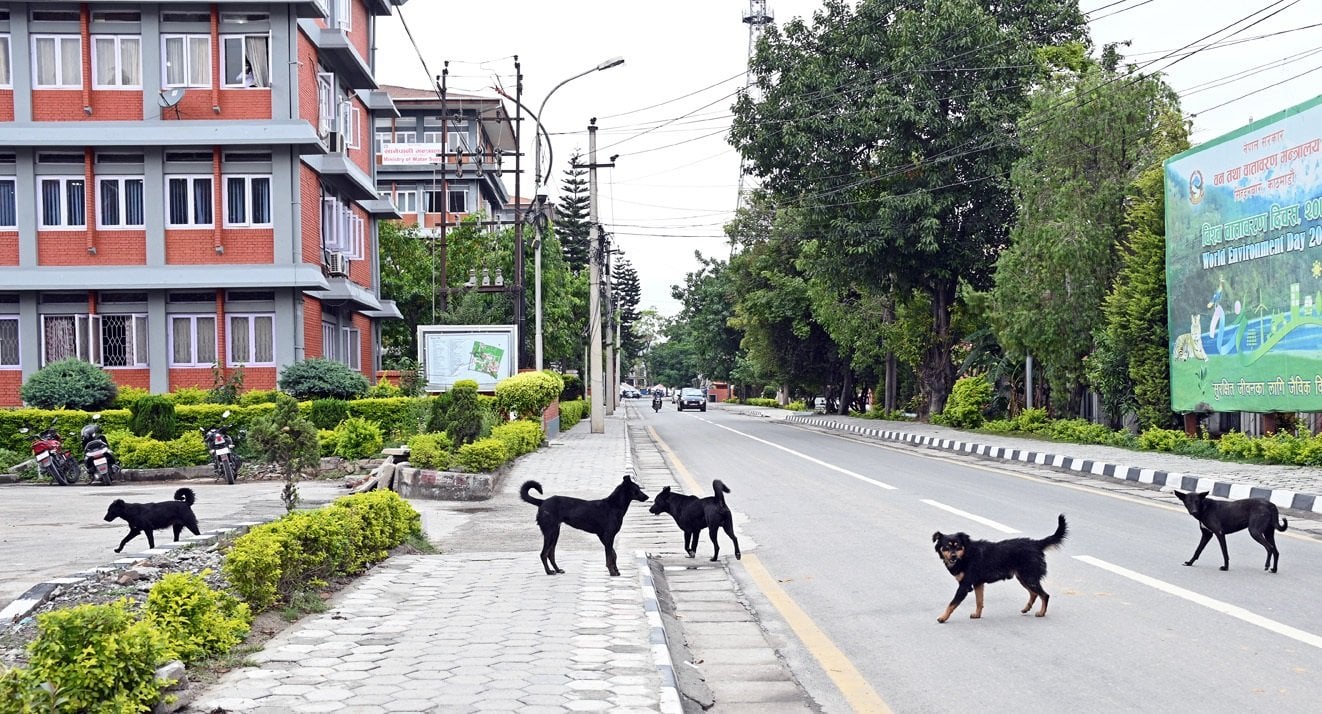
(627, 293)
(571, 220)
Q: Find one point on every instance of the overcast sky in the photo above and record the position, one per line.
(665, 111)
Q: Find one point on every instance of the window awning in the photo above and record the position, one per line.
(339, 55)
(166, 132)
(344, 175)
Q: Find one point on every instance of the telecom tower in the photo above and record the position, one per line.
(757, 18)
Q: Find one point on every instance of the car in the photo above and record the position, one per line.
(627, 392)
(691, 397)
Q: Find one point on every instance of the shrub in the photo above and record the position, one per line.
(1238, 445)
(154, 416)
(190, 396)
(225, 389)
(797, 405)
(70, 384)
(284, 438)
(1030, 420)
(399, 417)
(196, 620)
(430, 451)
(520, 437)
(328, 413)
(258, 396)
(100, 658)
(528, 394)
(383, 388)
(1158, 439)
(573, 389)
(318, 378)
(358, 438)
(326, 442)
(968, 399)
(571, 413)
(129, 394)
(482, 455)
(1079, 431)
(762, 402)
(463, 416)
(188, 449)
(138, 452)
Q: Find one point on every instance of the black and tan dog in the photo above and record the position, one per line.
(602, 517)
(148, 517)
(692, 514)
(1217, 518)
(974, 563)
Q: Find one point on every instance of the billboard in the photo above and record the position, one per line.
(483, 353)
(1244, 267)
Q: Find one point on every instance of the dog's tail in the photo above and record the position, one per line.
(1284, 524)
(1056, 538)
(719, 489)
(185, 495)
(531, 486)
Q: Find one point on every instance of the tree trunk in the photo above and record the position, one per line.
(847, 393)
(938, 369)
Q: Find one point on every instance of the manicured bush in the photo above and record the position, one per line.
(527, 394)
(189, 396)
(128, 394)
(384, 389)
(318, 378)
(519, 437)
(257, 396)
(1158, 439)
(399, 417)
(328, 413)
(154, 416)
(100, 658)
(138, 452)
(571, 413)
(70, 384)
(482, 455)
(797, 406)
(464, 420)
(1030, 420)
(968, 399)
(326, 442)
(431, 451)
(197, 621)
(378, 520)
(573, 389)
(283, 437)
(358, 438)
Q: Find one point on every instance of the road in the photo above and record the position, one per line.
(53, 531)
(845, 527)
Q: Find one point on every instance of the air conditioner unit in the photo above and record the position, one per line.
(335, 142)
(337, 264)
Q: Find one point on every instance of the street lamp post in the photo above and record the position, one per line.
(537, 180)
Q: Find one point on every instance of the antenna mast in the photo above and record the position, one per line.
(757, 18)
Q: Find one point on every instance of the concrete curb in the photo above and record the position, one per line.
(1155, 477)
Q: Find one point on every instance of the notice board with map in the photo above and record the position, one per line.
(482, 353)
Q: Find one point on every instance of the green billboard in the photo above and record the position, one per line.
(1244, 268)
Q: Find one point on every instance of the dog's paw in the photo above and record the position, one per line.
(1224, 568)
(1188, 562)
(942, 619)
(975, 616)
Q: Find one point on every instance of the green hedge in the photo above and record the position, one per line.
(519, 437)
(571, 413)
(482, 455)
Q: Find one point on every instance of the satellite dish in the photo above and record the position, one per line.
(171, 97)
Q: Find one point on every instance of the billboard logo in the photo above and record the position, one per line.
(1196, 187)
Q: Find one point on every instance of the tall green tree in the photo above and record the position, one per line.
(1087, 137)
(571, 218)
(891, 138)
(407, 263)
(627, 293)
(707, 301)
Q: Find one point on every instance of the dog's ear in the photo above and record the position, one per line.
(665, 489)
(936, 536)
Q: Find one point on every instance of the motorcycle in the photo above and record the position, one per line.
(221, 446)
(52, 458)
(102, 466)
(656, 403)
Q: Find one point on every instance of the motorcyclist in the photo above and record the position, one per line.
(656, 399)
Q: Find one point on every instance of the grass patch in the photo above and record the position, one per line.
(305, 602)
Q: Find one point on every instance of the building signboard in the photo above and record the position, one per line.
(417, 153)
(482, 353)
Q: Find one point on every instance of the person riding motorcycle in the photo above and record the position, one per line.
(656, 400)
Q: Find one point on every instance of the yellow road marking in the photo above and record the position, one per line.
(857, 692)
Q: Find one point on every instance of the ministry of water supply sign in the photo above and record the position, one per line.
(1244, 268)
(482, 353)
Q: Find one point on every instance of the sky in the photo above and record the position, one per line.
(666, 110)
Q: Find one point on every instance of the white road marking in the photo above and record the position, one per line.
(806, 457)
(1224, 608)
(965, 514)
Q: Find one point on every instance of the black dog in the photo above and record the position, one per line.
(974, 563)
(1221, 517)
(148, 517)
(692, 514)
(602, 517)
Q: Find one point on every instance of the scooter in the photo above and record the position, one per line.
(102, 466)
(52, 458)
(221, 446)
(656, 403)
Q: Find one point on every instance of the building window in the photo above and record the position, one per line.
(63, 202)
(6, 75)
(192, 340)
(117, 61)
(9, 342)
(246, 60)
(325, 103)
(116, 16)
(341, 230)
(187, 60)
(119, 202)
(344, 14)
(350, 118)
(122, 340)
(8, 203)
(406, 201)
(252, 339)
(63, 337)
(352, 348)
(57, 62)
(188, 200)
(247, 200)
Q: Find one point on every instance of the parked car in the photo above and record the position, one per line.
(692, 398)
(627, 392)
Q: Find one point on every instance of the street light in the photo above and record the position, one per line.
(537, 176)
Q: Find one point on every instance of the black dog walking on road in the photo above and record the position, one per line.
(148, 517)
(974, 563)
(1217, 518)
(692, 514)
(602, 517)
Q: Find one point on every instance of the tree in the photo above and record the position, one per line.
(708, 299)
(407, 277)
(289, 441)
(627, 292)
(571, 218)
(1087, 137)
(890, 139)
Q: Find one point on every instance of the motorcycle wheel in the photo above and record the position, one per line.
(64, 470)
(227, 469)
(106, 477)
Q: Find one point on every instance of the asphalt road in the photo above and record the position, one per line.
(53, 531)
(845, 526)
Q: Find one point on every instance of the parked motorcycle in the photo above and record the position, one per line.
(100, 462)
(221, 446)
(52, 458)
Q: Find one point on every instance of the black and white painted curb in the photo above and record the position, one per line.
(1283, 498)
(29, 601)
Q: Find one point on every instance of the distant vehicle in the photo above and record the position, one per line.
(628, 392)
(692, 397)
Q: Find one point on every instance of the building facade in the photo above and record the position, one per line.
(188, 186)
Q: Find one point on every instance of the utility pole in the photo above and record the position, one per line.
(612, 379)
(520, 319)
(445, 187)
(598, 403)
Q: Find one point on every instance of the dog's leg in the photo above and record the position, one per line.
(178, 528)
(1265, 539)
(132, 532)
(1225, 554)
(977, 602)
(729, 530)
(151, 539)
(1032, 596)
(691, 543)
(712, 530)
(1202, 543)
(608, 542)
(550, 535)
(960, 593)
